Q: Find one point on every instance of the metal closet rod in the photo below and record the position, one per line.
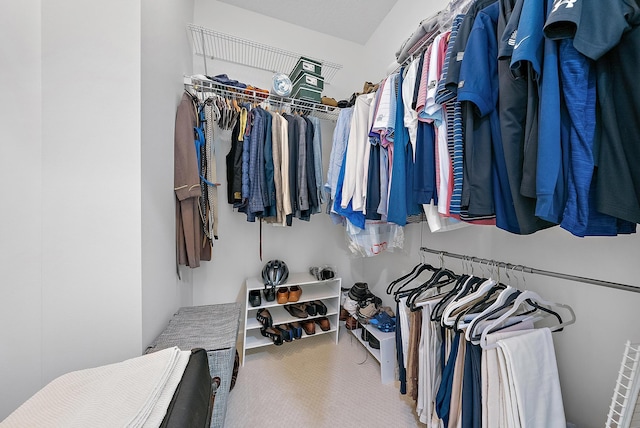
(526, 269)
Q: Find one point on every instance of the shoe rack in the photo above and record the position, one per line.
(386, 355)
(327, 291)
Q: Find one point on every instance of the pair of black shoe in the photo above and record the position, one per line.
(254, 298)
(290, 331)
(303, 310)
(370, 338)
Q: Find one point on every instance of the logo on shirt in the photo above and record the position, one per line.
(517, 45)
(567, 4)
(432, 84)
(512, 38)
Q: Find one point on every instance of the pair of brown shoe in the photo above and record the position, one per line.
(324, 323)
(309, 326)
(289, 295)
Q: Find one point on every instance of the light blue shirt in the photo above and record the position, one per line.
(338, 149)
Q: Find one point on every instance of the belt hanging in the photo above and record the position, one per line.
(260, 238)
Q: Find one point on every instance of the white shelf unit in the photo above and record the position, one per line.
(386, 355)
(327, 291)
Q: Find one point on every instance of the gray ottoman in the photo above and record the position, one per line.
(213, 328)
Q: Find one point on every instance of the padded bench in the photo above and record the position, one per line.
(215, 329)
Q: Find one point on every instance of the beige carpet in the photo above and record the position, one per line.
(315, 383)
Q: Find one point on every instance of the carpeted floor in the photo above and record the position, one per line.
(314, 383)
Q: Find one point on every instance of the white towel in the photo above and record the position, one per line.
(132, 393)
(533, 373)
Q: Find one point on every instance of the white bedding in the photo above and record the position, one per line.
(132, 393)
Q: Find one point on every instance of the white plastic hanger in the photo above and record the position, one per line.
(522, 298)
(500, 301)
(448, 319)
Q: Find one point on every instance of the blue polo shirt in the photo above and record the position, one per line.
(479, 85)
(614, 43)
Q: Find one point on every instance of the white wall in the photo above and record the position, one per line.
(166, 57)
(90, 183)
(71, 251)
(20, 226)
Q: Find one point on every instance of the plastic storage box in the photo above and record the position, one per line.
(309, 81)
(307, 65)
(308, 94)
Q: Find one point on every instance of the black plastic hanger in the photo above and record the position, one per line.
(396, 281)
(439, 279)
(437, 311)
(417, 270)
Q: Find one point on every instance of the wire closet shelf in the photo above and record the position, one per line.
(289, 105)
(213, 44)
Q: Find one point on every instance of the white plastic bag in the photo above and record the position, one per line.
(375, 238)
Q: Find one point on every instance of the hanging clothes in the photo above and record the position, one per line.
(211, 175)
(518, 120)
(483, 141)
(336, 158)
(190, 245)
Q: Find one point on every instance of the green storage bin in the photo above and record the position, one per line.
(307, 80)
(306, 65)
(308, 94)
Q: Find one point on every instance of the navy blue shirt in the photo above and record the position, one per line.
(479, 85)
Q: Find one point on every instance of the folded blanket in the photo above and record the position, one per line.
(132, 393)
